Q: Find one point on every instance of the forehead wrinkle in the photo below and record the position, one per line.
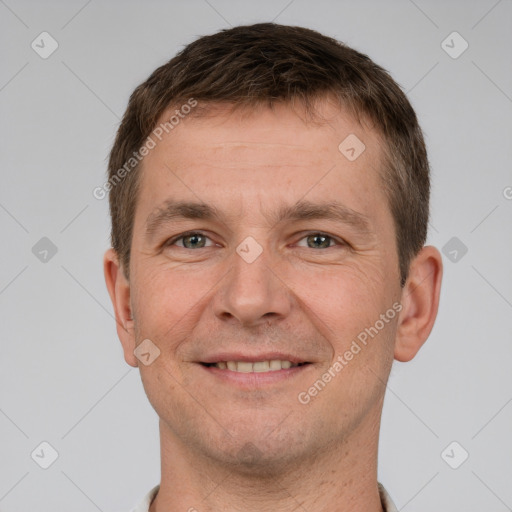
(243, 144)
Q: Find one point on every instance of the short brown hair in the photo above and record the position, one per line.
(267, 63)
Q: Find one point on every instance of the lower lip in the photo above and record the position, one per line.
(256, 379)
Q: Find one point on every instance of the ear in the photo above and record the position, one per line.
(119, 291)
(420, 301)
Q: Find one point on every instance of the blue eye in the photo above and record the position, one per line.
(318, 241)
(198, 240)
(192, 240)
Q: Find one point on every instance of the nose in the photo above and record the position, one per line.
(253, 293)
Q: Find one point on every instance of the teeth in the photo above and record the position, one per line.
(261, 366)
(244, 367)
(275, 365)
(256, 367)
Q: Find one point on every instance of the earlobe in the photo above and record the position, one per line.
(420, 301)
(119, 291)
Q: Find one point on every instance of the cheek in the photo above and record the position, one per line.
(339, 299)
(345, 304)
(158, 300)
(167, 301)
(348, 293)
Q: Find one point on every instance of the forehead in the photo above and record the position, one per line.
(266, 132)
(234, 159)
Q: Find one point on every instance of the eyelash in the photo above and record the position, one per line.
(173, 240)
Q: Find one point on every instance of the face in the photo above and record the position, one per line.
(260, 255)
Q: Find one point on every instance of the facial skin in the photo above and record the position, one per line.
(243, 441)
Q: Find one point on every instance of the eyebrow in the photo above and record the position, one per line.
(172, 210)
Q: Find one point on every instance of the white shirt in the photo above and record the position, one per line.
(387, 503)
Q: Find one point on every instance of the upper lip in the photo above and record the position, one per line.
(253, 358)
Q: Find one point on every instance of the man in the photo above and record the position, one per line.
(269, 192)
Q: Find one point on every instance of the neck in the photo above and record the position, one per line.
(341, 478)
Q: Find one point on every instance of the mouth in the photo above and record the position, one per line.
(255, 371)
(270, 365)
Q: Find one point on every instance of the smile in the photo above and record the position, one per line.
(271, 365)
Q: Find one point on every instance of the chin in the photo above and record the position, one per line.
(259, 461)
(259, 454)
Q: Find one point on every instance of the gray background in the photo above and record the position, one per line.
(63, 378)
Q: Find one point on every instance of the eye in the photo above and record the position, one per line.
(319, 241)
(190, 240)
(198, 240)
